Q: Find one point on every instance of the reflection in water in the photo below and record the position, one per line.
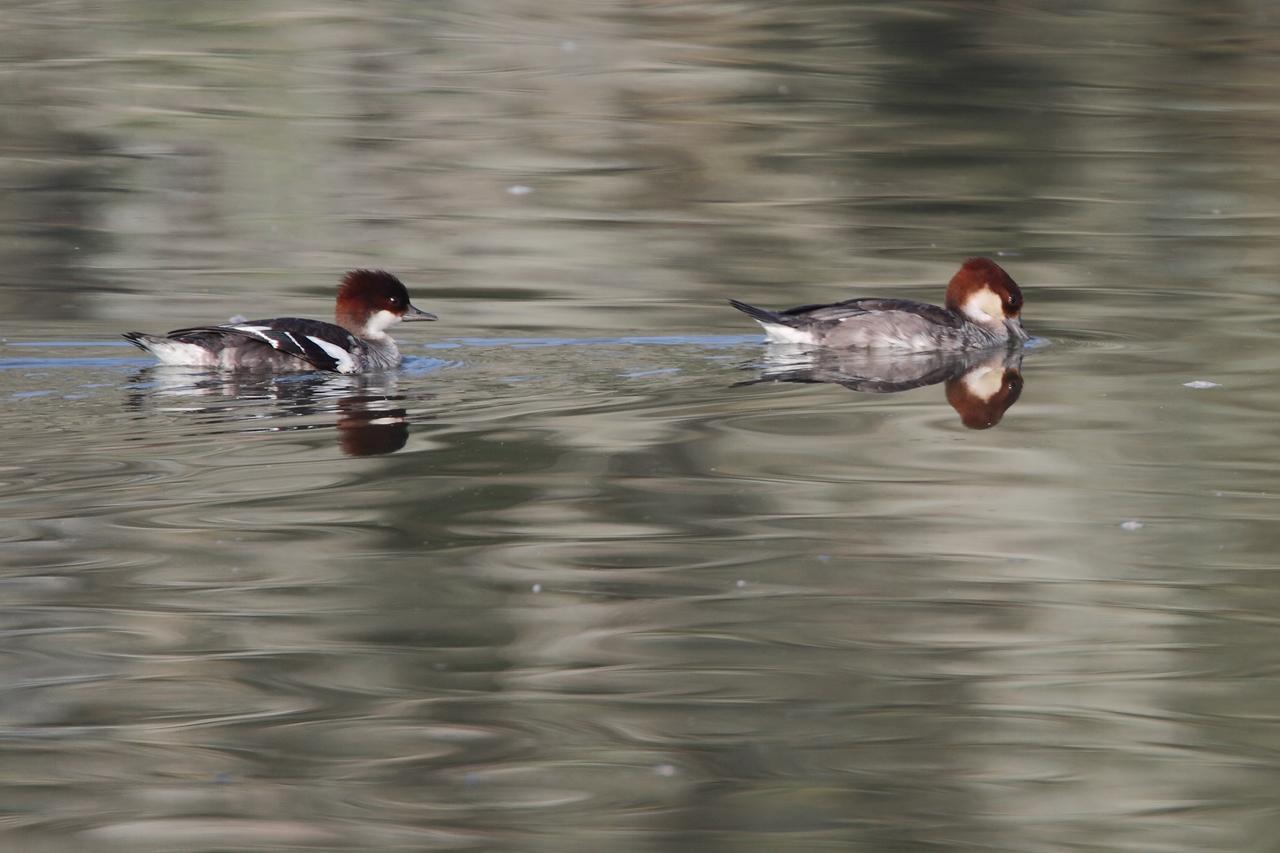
(981, 385)
(371, 425)
(369, 415)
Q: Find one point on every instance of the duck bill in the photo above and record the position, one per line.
(413, 313)
(1016, 332)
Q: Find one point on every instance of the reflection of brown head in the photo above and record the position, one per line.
(982, 396)
(369, 432)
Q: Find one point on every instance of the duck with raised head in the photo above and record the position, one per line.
(369, 302)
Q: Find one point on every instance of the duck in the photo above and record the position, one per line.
(369, 302)
(983, 309)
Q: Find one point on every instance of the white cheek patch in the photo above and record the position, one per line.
(379, 323)
(984, 308)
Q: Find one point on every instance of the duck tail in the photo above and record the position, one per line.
(763, 315)
(141, 340)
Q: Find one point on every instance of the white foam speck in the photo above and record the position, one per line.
(665, 770)
(536, 588)
(740, 584)
(1131, 525)
(519, 189)
(1201, 383)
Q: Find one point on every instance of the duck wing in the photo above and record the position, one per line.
(838, 312)
(325, 346)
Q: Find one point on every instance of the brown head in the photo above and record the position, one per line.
(987, 296)
(370, 301)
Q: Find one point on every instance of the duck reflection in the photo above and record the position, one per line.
(368, 413)
(980, 385)
(371, 425)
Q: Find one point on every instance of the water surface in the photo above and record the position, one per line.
(595, 570)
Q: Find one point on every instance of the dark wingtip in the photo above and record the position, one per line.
(135, 338)
(762, 314)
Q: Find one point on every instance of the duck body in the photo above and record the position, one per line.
(983, 310)
(369, 301)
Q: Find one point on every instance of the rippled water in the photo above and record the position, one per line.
(597, 570)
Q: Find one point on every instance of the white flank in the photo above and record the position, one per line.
(346, 364)
(919, 343)
(176, 352)
(780, 334)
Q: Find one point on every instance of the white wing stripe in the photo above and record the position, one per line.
(259, 332)
(345, 363)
